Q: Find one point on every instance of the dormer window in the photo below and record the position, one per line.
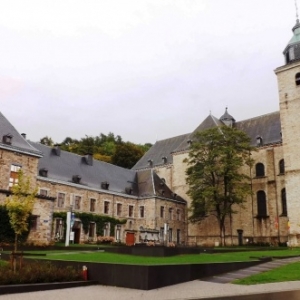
(7, 139)
(56, 150)
(297, 79)
(89, 159)
(76, 179)
(104, 185)
(150, 162)
(259, 141)
(190, 142)
(164, 158)
(43, 172)
(128, 190)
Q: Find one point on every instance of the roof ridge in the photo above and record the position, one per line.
(174, 137)
(260, 116)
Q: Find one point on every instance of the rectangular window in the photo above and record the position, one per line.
(170, 213)
(170, 235)
(178, 215)
(92, 230)
(77, 202)
(92, 204)
(162, 211)
(43, 192)
(13, 179)
(130, 211)
(142, 211)
(34, 222)
(61, 199)
(161, 234)
(106, 207)
(119, 209)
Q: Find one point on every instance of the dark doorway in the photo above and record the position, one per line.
(240, 236)
(76, 229)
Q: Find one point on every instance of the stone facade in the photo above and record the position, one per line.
(149, 224)
(273, 228)
(289, 113)
(41, 231)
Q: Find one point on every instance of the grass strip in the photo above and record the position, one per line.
(290, 272)
(106, 257)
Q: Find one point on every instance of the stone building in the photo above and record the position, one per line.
(142, 201)
(271, 214)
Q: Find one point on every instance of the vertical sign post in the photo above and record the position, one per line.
(68, 229)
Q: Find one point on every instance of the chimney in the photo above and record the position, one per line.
(23, 135)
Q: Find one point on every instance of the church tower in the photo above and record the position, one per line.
(288, 77)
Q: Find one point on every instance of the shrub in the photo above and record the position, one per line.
(150, 244)
(105, 239)
(38, 272)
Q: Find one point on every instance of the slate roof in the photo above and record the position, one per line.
(268, 127)
(62, 168)
(149, 181)
(18, 143)
(159, 150)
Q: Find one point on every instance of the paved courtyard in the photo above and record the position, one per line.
(189, 290)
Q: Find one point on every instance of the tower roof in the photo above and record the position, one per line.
(292, 50)
(227, 116)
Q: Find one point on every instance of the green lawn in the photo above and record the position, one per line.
(289, 272)
(92, 256)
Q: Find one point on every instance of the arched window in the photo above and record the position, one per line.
(281, 166)
(297, 79)
(283, 202)
(261, 204)
(260, 170)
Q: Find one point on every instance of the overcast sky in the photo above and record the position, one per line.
(145, 69)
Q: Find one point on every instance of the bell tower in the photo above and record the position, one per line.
(288, 77)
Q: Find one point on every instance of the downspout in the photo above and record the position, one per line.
(251, 188)
(276, 198)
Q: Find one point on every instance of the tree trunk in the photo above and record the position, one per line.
(14, 257)
(16, 243)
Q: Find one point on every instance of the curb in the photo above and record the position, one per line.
(25, 288)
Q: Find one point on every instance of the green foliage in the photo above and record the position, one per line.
(214, 178)
(38, 272)
(47, 141)
(20, 204)
(108, 148)
(87, 218)
(126, 155)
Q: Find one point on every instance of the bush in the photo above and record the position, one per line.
(38, 272)
(105, 239)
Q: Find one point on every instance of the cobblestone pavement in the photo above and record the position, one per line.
(189, 290)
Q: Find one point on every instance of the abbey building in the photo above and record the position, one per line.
(150, 203)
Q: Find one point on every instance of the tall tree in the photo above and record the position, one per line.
(19, 205)
(126, 155)
(216, 183)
